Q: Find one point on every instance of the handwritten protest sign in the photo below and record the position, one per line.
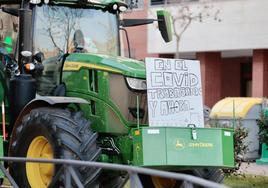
(174, 92)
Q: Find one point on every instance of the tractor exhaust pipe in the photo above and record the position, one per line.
(22, 87)
(25, 36)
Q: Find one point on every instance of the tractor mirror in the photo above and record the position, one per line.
(164, 24)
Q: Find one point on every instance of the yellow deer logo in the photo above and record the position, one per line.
(179, 144)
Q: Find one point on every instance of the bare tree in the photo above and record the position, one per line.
(61, 23)
(184, 15)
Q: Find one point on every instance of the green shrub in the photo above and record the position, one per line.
(240, 148)
(263, 128)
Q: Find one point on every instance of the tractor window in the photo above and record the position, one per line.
(8, 32)
(59, 30)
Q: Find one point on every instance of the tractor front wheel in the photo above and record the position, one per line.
(53, 133)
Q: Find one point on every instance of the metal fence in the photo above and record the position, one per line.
(71, 178)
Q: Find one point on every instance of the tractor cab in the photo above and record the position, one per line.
(60, 31)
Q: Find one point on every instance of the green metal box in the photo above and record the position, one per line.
(183, 147)
(264, 156)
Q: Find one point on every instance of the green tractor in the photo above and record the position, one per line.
(68, 94)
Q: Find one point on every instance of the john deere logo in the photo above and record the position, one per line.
(179, 144)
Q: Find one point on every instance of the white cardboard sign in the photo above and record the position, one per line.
(174, 92)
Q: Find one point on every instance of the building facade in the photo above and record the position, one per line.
(233, 50)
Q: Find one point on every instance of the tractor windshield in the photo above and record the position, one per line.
(61, 29)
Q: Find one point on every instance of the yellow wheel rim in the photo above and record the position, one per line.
(39, 174)
(163, 182)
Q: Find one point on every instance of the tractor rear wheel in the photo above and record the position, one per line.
(53, 133)
(211, 174)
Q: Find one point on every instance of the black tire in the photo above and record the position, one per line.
(113, 179)
(211, 174)
(70, 137)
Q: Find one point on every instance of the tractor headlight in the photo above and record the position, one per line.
(136, 84)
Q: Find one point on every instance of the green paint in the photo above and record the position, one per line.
(128, 67)
(165, 16)
(265, 112)
(174, 147)
(150, 149)
(8, 44)
(104, 158)
(264, 156)
(264, 149)
(107, 117)
(124, 143)
(227, 149)
(8, 40)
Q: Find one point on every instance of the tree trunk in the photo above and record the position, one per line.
(177, 54)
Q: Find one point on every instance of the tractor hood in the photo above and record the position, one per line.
(119, 65)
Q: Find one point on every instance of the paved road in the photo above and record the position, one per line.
(254, 169)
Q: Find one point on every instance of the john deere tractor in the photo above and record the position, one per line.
(69, 94)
